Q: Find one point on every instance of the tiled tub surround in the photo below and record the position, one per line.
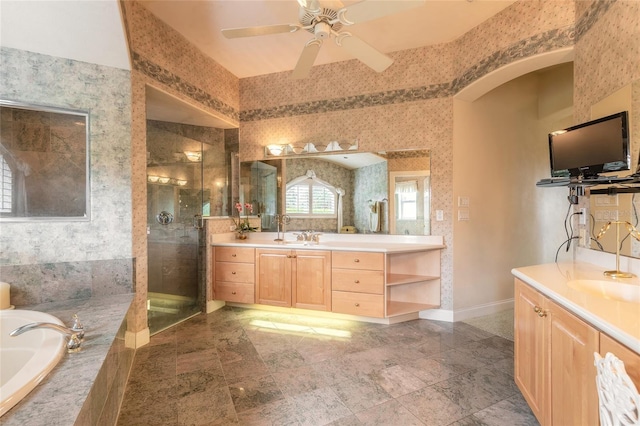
(85, 388)
(57, 282)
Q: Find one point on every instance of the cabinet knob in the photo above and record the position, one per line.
(233, 272)
(356, 260)
(538, 310)
(233, 292)
(357, 281)
(233, 255)
(357, 304)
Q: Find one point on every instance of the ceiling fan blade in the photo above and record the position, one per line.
(306, 60)
(369, 10)
(310, 5)
(259, 31)
(364, 52)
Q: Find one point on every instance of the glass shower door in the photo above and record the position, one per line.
(174, 234)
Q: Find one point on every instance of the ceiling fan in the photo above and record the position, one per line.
(324, 22)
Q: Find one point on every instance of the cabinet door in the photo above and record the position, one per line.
(574, 396)
(311, 286)
(531, 349)
(631, 359)
(273, 278)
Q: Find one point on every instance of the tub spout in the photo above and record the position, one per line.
(75, 333)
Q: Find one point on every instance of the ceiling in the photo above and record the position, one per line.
(435, 21)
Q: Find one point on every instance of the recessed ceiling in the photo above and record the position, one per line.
(201, 23)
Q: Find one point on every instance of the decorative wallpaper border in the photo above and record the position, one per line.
(160, 74)
(592, 15)
(544, 42)
(539, 43)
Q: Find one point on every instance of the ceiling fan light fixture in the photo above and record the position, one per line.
(322, 30)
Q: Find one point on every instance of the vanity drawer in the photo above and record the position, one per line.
(235, 292)
(364, 304)
(235, 272)
(358, 260)
(361, 281)
(235, 254)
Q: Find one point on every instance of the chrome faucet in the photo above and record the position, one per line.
(75, 333)
(309, 237)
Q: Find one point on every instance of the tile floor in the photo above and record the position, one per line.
(251, 367)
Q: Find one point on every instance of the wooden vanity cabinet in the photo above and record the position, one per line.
(294, 278)
(363, 283)
(630, 358)
(554, 360)
(234, 274)
(530, 349)
(358, 283)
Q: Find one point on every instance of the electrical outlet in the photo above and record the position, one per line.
(439, 215)
(232, 228)
(583, 216)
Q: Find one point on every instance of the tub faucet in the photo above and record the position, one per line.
(75, 332)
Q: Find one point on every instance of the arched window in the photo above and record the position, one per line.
(308, 196)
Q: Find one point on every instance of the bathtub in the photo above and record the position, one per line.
(26, 359)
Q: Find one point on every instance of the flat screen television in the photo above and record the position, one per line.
(588, 149)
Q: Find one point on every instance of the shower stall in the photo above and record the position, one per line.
(188, 175)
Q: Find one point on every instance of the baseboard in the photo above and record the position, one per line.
(214, 305)
(135, 340)
(467, 313)
(437, 315)
(482, 310)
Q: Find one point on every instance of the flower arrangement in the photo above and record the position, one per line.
(242, 224)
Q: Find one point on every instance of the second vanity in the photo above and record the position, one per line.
(564, 313)
(385, 277)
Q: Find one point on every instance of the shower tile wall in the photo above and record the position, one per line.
(47, 261)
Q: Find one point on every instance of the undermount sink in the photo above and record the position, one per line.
(611, 290)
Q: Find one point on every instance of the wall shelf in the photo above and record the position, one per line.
(400, 279)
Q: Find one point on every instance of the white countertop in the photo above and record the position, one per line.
(619, 319)
(342, 242)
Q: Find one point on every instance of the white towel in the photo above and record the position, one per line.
(375, 217)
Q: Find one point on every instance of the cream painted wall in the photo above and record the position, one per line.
(500, 151)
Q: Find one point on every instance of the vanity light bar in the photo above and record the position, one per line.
(309, 148)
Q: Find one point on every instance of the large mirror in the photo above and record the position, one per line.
(373, 192)
(44, 156)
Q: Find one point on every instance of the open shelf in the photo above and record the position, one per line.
(400, 279)
(400, 308)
